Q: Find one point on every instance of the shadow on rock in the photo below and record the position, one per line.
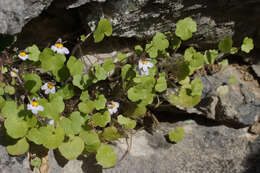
(253, 159)
(90, 164)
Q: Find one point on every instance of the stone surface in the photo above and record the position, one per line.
(16, 13)
(239, 107)
(143, 18)
(256, 68)
(204, 149)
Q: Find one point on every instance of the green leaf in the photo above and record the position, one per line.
(101, 120)
(50, 111)
(234, 50)
(66, 124)
(33, 52)
(2, 102)
(78, 82)
(106, 156)
(84, 96)
(196, 87)
(36, 162)
(232, 80)
(75, 66)
(247, 45)
(210, 56)
(138, 50)
(35, 136)
(100, 102)
(135, 111)
(224, 62)
(126, 122)
(53, 62)
(121, 57)
(161, 84)
(159, 43)
(9, 90)
(185, 28)
(104, 28)
(52, 137)
(108, 65)
(91, 140)
(19, 148)
(33, 82)
(83, 37)
(72, 149)
(225, 45)
(16, 128)
(110, 133)
(176, 43)
(2, 92)
(66, 92)
(9, 109)
(86, 107)
(100, 72)
(57, 103)
(176, 135)
(77, 121)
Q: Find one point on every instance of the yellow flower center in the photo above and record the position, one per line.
(13, 73)
(111, 105)
(22, 53)
(50, 86)
(59, 45)
(35, 103)
(144, 61)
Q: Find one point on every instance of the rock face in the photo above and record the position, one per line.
(240, 106)
(203, 149)
(15, 14)
(143, 18)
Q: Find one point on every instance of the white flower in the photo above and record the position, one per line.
(112, 107)
(143, 66)
(58, 47)
(14, 72)
(23, 56)
(34, 106)
(51, 122)
(48, 88)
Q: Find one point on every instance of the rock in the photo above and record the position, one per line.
(256, 68)
(143, 18)
(82, 2)
(203, 149)
(10, 164)
(15, 14)
(240, 106)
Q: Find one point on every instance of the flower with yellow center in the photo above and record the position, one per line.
(48, 88)
(112, 107)
(14, 72)
(59, 48)
(34, 106)
(23, 56)
(143, 66)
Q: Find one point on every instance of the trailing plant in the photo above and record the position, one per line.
(54, 100)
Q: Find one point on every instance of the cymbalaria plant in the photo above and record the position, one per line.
(57, 101)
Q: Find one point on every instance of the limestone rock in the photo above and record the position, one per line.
(16, 13)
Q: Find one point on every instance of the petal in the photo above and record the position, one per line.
(29, 106)
(22, 57)
(60, 51)
(45, 86)
(51, 122)
(110, 111)
(53, 90)
(54, 48)
(47, 91)
(65, 50)
(149, 64)
(117, 104)
(140, 64)
(40, 108)
(35, 111)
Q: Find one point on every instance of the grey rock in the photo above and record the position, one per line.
(82, 2)
(9, 164)
(15, 14)
(239, 107)
(143, 18)
(256, 68)
(203, 149)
